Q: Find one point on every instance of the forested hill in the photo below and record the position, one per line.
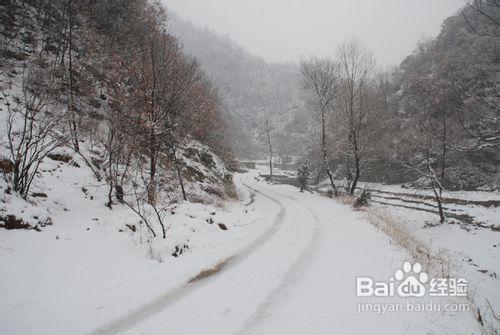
(252, 91)
(451, 84)
(103, 80)
(445, 93)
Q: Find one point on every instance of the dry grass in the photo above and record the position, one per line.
(437, 264)
(345, 199)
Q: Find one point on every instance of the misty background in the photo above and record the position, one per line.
(253, 51)
(286, 30)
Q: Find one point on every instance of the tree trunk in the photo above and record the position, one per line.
(181, 182)
(325, 154)
(270, 150)
(160, 221)
(357, 174)
(72, 123)
(179, 174)
(357, 167)
(437, 195)
(443, 153)
(349, 176)
(439, 201)
(152, 168)
(119, 193)
(110, 196)
(110, 168)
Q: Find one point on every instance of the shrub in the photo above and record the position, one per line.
(363, 199)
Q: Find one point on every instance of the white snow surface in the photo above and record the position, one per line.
(470, 252)
(287, 264)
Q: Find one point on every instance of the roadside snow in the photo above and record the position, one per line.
(301, 282)
(89, 267)
(287, 264)
(470, 252)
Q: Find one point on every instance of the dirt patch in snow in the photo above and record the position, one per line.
(209, 272)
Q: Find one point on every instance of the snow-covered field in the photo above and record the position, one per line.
(470, 250)
(287, 264)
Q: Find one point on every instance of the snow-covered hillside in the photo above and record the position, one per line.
(62, 248)
(92, 263)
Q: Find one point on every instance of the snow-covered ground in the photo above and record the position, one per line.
(263, 169)
(89, 267)
(471, 251)
(466, 195)
(287, 264)
(302, 281)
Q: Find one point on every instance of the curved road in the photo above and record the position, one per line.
(298, 278)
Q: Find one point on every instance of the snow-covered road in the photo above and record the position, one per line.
(297, 278)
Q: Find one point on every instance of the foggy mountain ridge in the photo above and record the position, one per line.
(251, 89)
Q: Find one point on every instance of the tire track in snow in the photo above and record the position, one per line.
(291, 277)
(203, 278)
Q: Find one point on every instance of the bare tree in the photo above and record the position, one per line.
(477, 113)
(321, 76)
(431, 132)
(183, 99)
(117, 158)
(483, 17)
(31, 130)
(71, 108)
(138, 204)
(356, 104)
(154, 75)
(178, 168)
(136, 198)
(426, 156)
(268, 130)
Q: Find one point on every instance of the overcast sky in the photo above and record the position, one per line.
(285, 30)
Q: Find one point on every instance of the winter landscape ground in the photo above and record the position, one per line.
(156, 177)
(288, 263)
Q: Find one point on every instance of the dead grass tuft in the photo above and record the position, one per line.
(435, 263)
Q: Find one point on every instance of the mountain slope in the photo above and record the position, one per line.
(251, 91)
